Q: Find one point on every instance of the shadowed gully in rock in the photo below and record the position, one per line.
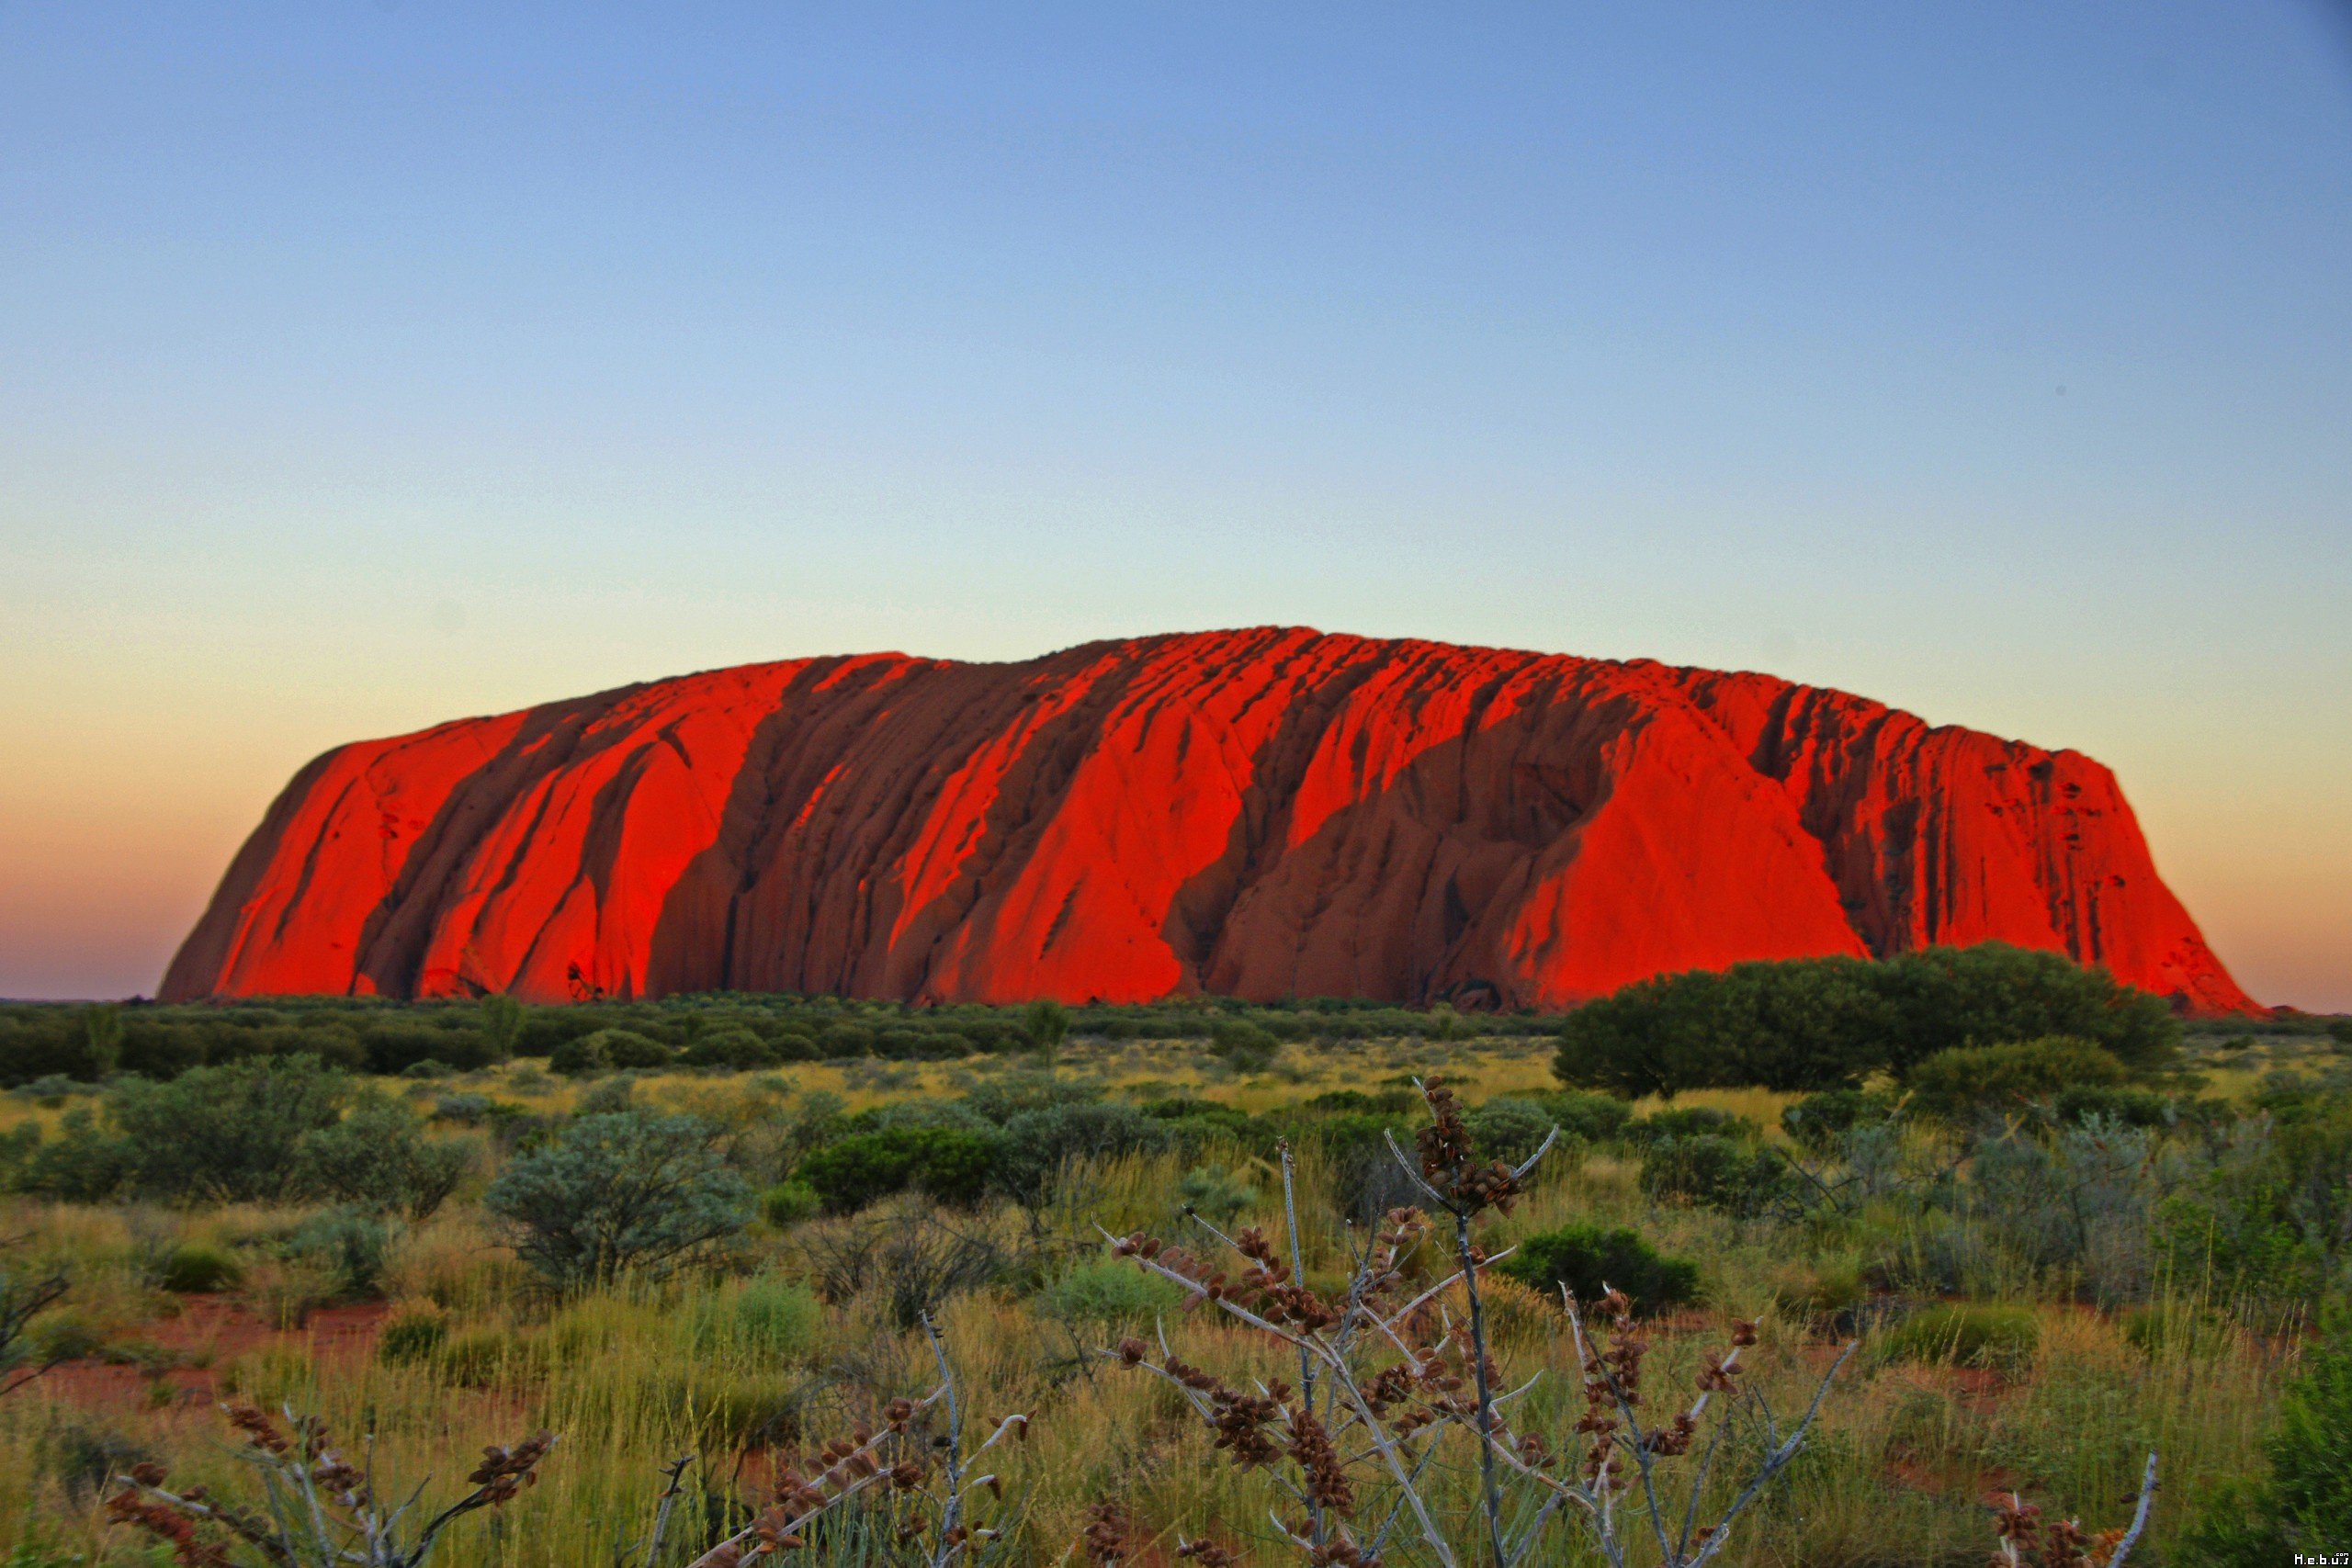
(1263, 814)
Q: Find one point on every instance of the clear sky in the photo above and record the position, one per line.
(365, 365)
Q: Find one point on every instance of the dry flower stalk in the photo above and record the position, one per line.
(896, 1458)
(322, 1509)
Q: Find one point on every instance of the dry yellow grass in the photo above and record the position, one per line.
(630, 1379)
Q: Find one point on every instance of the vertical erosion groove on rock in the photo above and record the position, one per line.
(1263, 814)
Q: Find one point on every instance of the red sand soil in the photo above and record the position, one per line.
(207, 1335)
(1263, 814)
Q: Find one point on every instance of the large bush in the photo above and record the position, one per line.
(630, 1192)
(1805, 1025)
(1811, 1024)
(1948, 997)
(352, 1244)
(231, 1134)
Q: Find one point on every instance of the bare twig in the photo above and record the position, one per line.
(672, 1486)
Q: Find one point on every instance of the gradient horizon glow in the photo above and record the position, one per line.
(366, 365)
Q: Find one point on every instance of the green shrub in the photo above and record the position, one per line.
(2270, 1218)
(1726, 1175)
(1691, 1122)
(2174, 1330)
(1009, 1094)
(1818, 1121)
(196, 1268)
(1191, 1124)
(769, 1318)
(1108, 1291)
(501, 1024)
(1828, 1289)
(951, 1164)
(1508, 1128)
(1399, 1102)
(411, 1338)
(627, 1048)
(18, 1147)
(53, 1090)
(609, 1098)
(1807, 1025)
(1244, 1046)
(1592, 1259)
(1966, 1334)
(83, 1458)
(474, 1360)
(1366, 1179)
(956, 1115)
(735, 1049)
(81, 1165)
(582, 1054)
(1037, 1144)
(2131, 1107)
(1594, 1118)
(354, 1244)
(399, 1046)
(2081, 1204)
(24, 1295)
(231, 1134)
(379, 1157)
(841, 1039)
(788, 1205)
(1968, 1081)
(1810, 1024)
(626, 1193)
(2302, 1503)
(740, 1412)
(63, 1336)
(1215, 1193)
(1045, 1023)
(918, 1044)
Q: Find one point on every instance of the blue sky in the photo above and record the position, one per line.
(361, 366)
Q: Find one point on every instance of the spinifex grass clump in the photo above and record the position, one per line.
(1394, 1387)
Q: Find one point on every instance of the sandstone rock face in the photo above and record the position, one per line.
(1263, 814)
